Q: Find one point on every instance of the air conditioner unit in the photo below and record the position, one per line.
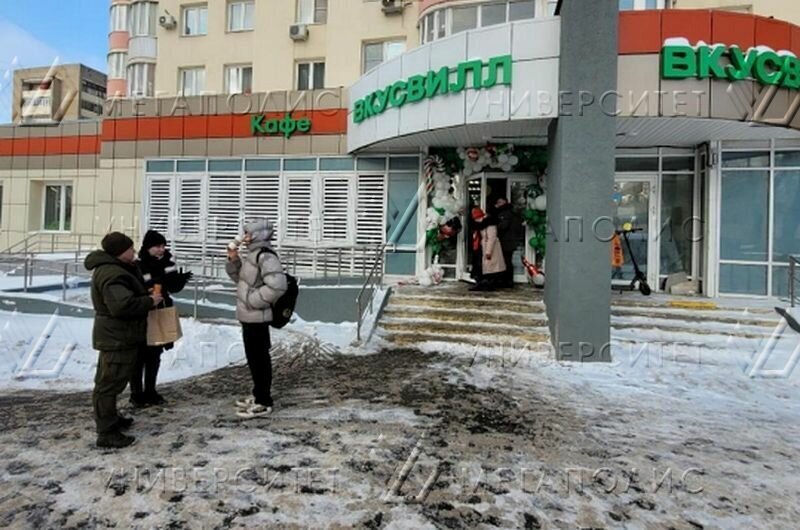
(298, 31)
(167, 21)
(391, 7)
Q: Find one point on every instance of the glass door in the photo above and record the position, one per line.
(475, 196)
(635, 201)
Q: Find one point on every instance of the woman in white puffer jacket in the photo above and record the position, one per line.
(260, 282)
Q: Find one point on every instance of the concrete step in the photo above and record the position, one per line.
(699, 318)
(531, 342)
(461, 327)
(535, 319)
(703, 328)
(473, 303)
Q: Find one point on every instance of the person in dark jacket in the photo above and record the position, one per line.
(508, 232)
(157, 267)
(121, 303)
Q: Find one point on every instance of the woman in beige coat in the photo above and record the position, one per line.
(494, 265)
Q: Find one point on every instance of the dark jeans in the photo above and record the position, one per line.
(508, 275)
(110, 380)
(148, 361)
(256, 348)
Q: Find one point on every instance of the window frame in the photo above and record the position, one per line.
(230, 18)
(148, 71)
(384, 49)
(317, 12)
(143, 12)
(185, 11)
(62, 206)
(226, 78)
(182, 72)
(121, 69)
(313, 65)
(118, 18)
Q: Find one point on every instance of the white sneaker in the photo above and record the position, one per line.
(246, 403)
(255, 411)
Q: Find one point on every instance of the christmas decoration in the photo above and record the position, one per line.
(433, 275)
(475, 160)
(536, 217)
(442, 219)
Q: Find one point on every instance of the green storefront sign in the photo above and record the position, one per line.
(260, 125)
(435, 83)
(730, 63)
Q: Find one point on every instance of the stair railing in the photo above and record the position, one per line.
(372, 281)
(794, 262)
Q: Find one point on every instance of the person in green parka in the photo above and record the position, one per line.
(121, 303)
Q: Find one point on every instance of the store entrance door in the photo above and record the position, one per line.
(483, 190)
(635, 200)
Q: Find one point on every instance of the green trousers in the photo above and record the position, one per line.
(114, 370)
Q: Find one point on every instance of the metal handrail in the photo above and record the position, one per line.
(794, 263)
(377, 270)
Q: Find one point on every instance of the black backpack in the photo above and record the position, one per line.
(283, 308)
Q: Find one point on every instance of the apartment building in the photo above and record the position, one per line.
(53, 94)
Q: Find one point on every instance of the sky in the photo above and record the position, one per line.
(38, 33)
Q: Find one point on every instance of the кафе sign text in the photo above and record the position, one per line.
(679, 60)
(435, 83)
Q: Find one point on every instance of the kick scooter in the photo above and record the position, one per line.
(639, 278)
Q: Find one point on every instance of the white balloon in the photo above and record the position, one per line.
(503, 158)
(541, 202)
(538, 280)
(513, 160)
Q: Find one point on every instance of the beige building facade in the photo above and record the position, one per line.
(57, 93)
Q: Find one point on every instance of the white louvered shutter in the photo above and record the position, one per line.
(337, 207)
(262, 198)
(190, 208)
(371, 216)
(224, 207)
(159, 205)
(299, 211)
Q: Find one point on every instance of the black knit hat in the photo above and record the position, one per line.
(153, 239)
(116, 243)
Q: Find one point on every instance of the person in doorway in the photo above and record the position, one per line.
(121, 304)
(260, 282)
(158, 269)
(508, 233)
(493, 264)
(477, 253)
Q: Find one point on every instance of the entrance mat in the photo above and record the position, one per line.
(686, 304)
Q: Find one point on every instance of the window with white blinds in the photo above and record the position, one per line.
(190, 207)
(159, 193)
(299, 209)
(262, 198)
(371, 218)
(336, 209)
(224, 211)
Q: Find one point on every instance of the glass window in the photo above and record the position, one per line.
(116, 65)
(312, 11)
(743, 279)
(743, 217)
(191, 166)
(57, 207)
(677, 203)
(160, 166)
(780, 282)
(143, 19)
(625, 5)
(239, 79)
(193, 81)
(300, 164)
(376, 53)
(492, 14)
(119, 17)
(318, 76)
(262, 165)
(745, 159)
(234, 165)
(372, 164)
(521, 10)
(671, 163)
(336, 164)
(404, 163)
(195, 20)
(787, 159)
(240, 16)
(310, 76)
(141, 80)
(637, 164)
(552, 5)
(786, 230)
(464, 18)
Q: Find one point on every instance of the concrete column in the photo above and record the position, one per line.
(580, 183)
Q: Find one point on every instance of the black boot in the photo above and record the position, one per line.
(114, 440)
(151, 367)
(124, 423)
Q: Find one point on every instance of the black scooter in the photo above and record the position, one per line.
(793, 323)
(638, 276)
